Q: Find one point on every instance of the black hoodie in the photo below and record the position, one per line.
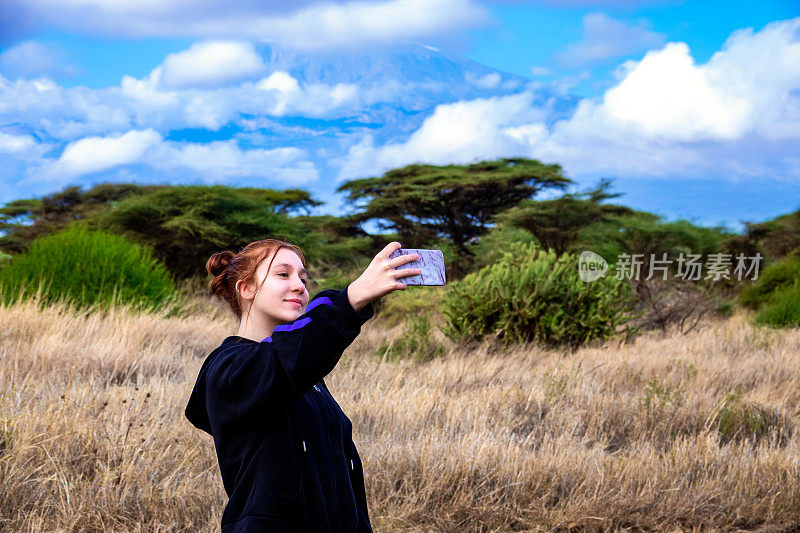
(284, 446)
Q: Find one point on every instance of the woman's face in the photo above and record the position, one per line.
(283, 286)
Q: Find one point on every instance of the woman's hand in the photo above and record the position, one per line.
(380, 277)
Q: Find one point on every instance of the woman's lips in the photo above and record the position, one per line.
(298, 303)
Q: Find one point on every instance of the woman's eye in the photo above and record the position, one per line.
(305, 281)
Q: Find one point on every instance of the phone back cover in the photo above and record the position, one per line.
(430, 261)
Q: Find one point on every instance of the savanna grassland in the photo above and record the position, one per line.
(683, 432)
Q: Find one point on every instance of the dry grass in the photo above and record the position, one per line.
(653, 435)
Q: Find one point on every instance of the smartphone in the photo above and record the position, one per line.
(430, 261)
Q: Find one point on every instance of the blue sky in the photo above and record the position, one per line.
(692, 107)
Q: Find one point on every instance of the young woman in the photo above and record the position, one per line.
(284, 446)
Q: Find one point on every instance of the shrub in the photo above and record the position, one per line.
(85, 268)
(490, 248)
(776, 278)
(782, 310)
(645, 233)
(776, 294)
(414, 301)
(416, 342)
(659, 395)
(532, 295)
(676, 304)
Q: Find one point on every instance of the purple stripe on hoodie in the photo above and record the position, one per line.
(297, 324)
(318, 301)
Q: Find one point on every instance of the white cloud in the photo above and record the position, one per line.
(464, 131)
(313, 98)
(148, 91)
(736, 115)
(140, 104)
(360, 23)
(564, 85)
(222, 160)
(31, 59)
(750, 86)
(605, 38)
(93, 154)
(280, 81)
(302, 25)
(16, 143)
(489, 81)
(45, 107)
(668, 96)
(541, 71)
(209, 162)
(278, 94)
(210, 64)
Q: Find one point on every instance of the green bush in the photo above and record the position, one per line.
(412, 302)
(776, 294)
(782, 310)
(85, 268)
(416, 342)
(532, 295)
(776, 278)
(489, 249)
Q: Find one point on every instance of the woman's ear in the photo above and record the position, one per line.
(245, 290)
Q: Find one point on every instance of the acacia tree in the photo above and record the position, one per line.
(186, 224)
(24, 220)
(556, 223)
(665, 297)
(424, 202)
(775, 238)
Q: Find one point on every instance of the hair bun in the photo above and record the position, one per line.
(218, 262)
